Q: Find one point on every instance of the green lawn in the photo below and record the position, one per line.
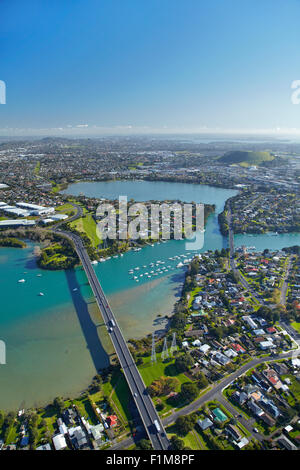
(296, 326)
(190, 440)
(294, 388)
(118, 391)
(37, 168)
(88, 226)
(151, 372)
(66, 209)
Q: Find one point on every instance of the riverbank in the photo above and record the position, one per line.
(11, 242)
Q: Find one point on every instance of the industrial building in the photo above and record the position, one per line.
(35, 209)
(16, 223)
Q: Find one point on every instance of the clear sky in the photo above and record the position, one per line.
(148, 65)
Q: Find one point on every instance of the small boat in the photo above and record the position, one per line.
(39, 275)
(94, 262)
(21, 280)
(75, 289)
(41, 294)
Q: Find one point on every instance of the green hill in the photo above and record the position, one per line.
(245, 157)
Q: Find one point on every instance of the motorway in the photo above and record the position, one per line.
(135, 382)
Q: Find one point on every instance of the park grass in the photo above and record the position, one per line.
(151, 372)
(192, 295)
(121, 396)
(37, 168)
(294, 388)
(88, 226)
(66, 208)
(190, 440)
(117, 390)
(12, 434)
(296, 326)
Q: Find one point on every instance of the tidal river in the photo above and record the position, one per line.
(56, 341)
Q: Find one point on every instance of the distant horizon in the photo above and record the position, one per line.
(241, 134)
(130, 67)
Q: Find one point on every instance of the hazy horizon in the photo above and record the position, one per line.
(99, 67)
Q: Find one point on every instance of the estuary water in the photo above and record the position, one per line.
(55, 342)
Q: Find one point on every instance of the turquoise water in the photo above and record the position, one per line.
(54, 342)
(148, 190)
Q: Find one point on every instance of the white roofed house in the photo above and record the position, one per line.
(250, 322)
(204, 423)
(230, 353)
(204, 348)
(97, 433)
(44, 447)
(266, 345)
(59, 442)
(223, 360)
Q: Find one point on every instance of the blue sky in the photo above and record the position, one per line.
(148, 65)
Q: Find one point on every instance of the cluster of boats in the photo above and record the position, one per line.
(159, 267)
(109, 257)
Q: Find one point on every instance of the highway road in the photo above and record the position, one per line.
(135, 382)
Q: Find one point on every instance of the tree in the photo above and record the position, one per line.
(184, 424)
(202, 381)
(144, 444)
(177, 444)
(178, 321)
(163, 386)
(59, 404)
(189, 391)
(184, 362)
(1, 418)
